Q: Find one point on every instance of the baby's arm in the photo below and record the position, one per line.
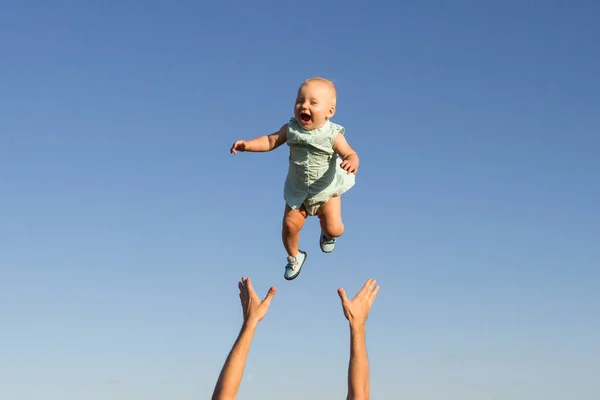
(350, 158)
(262, 143)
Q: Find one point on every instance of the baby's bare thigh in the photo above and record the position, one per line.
(331, 210)
(295, 215)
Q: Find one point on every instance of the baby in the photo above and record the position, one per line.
(316, 176)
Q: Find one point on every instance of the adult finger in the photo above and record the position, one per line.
(270, 295)
(373, 284)
(374, 294)
(342, 294)
(365, 288)
(371, 287)
(249, 286)
(243, 290)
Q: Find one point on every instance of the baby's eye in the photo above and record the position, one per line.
(314, 103)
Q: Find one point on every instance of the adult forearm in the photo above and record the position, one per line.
(358, 370)
(231, 375)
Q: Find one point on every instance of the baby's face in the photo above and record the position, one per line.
(315, 104)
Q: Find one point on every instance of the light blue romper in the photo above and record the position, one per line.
(314, 174)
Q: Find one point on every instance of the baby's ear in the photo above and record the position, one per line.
(331, 112)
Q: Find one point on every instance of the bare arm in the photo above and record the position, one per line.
(262, 143)
(231, 375)
(358, 368)
(350, 160)
(254, 310)
(357, 312)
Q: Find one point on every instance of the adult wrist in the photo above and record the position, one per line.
(250, 324)
(357, 328)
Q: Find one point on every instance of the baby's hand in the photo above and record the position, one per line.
(350, 165)
(240, 145)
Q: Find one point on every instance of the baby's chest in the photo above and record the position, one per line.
(315, 143)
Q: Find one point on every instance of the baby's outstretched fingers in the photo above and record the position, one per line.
(237, 146)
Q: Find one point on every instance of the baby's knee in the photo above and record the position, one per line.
(335, 229)
(293, 222)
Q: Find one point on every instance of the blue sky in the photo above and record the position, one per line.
(125, 223)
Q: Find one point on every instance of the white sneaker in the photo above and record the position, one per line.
(327, 243)
(294, 265)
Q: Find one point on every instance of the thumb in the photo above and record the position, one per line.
(342, 294)
(270, 294)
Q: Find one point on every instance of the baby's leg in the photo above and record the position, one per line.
(330, 215)
(293, 221)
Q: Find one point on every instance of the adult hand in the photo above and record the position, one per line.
(254, 308)
(357, 310)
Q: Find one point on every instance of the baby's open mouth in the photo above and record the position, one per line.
(305, 117)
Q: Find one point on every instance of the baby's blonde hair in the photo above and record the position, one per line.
(326, 81)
